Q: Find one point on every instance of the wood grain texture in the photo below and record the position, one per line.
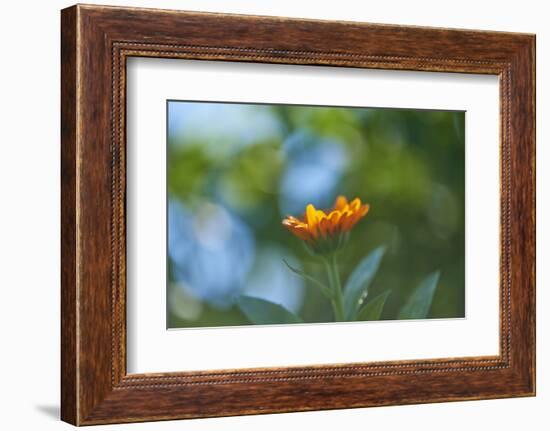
(69, 367)
(96, 41)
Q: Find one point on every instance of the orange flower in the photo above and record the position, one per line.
(326, 232)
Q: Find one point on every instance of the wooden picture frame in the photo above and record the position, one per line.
(95, 43)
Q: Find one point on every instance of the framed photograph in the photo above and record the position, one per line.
(264, 215)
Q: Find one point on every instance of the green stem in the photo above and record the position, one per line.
(336, 288)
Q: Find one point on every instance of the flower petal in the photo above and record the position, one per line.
(301, 232)
(311, 218)
(322, 226)
(355, 204)
(334, 219)
(345, 220)
(341, 203)
(311, 215)
(298, 229)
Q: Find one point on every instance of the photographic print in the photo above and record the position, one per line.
(289, 214)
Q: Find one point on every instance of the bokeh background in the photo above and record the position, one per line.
(236, 170)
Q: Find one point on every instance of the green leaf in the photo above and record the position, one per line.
(262, 312)
(358, 283)
(308, 277)
(373, 309)
(419, 303)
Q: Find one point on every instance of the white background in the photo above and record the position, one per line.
(29, 220)
(151, 348)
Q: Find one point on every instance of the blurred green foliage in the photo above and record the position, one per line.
(235, 171)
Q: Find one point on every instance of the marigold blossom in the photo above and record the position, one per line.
(325, 232)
